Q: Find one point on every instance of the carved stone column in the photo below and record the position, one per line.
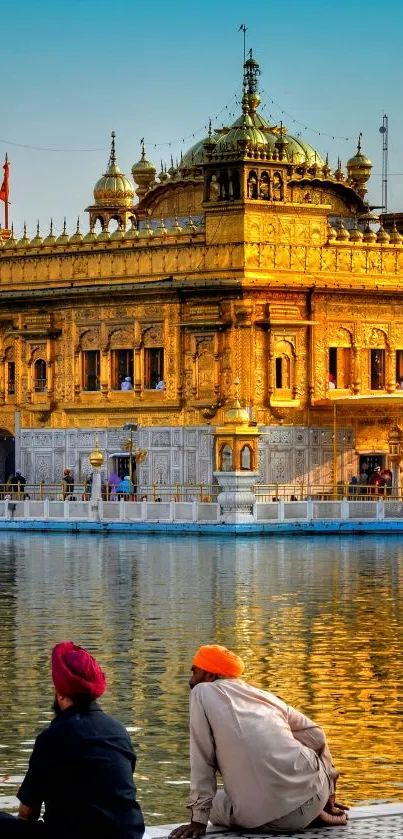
(356, 369)
(137, 370)
(390, 375)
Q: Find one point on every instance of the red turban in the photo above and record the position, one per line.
(219, 660)
(75, 672)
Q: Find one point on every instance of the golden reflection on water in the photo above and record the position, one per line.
(318, 621)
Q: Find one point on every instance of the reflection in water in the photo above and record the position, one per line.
(318, 621)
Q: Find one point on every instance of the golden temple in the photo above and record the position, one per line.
(250, 259)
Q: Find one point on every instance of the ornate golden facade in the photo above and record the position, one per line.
(251, 259)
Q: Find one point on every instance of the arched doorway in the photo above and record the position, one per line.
(7, 455)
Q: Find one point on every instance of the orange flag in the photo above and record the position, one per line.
(4, 186)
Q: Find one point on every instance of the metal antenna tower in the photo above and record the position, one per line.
(384, 131)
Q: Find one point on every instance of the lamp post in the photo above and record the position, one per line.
(138, 454)
(395, 442)
(130, 426)
(96, 460)
(334, 450)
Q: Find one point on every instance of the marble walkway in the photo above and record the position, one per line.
(377, 821)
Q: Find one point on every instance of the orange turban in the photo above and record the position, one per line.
(219, 660)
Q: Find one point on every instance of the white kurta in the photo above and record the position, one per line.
(266, 752)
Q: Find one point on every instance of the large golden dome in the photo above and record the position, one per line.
(113, 189)
(253, 128)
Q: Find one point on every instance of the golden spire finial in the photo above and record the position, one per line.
(64, 227)
(359, 143)
(143, 150)
(112, 156)
(78, 224)
(251, 72)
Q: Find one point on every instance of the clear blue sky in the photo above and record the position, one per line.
(71, 72)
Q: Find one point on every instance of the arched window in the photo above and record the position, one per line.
(246, 458)
(226, 458)
(252, 185)
(278, 187)
(40, 376)
(264, 187)
(9, 357)
(284, 366)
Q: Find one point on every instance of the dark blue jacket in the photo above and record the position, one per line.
(81, 769)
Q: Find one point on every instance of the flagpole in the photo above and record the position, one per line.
(6, 168)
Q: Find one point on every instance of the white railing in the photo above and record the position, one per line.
(270, 512)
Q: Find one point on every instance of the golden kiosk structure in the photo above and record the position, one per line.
(251, 258)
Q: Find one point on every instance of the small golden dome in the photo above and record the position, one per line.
(90, 236)
(37, 240)
(359, 167)
(50, 238)
(382, 236)
(96, 457)
(161, 230)
(356, 235)
(113, 189)
(146, 232)
(77, 237)
(63, 239)
(118, 234)
(396, 238)
(235, 415)
(338, 173)
(132, 233)
(176, 228)
(143, 166)
(190, 226)
(369, 235)
(104, 235)
(24, 241)
(331, 233)
(342, 233)
(143, 173)
(11, 242)
(326, 170)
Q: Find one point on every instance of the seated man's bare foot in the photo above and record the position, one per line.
(329, 819)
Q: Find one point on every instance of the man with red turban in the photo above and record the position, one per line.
(81, 768)
(275, 763)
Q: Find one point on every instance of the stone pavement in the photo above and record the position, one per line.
(377, 821)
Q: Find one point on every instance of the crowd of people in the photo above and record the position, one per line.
(370, 482)
(276, 767)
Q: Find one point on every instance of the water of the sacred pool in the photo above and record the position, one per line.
(318, 621)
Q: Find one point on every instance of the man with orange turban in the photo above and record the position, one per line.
(275, 763)
(81, 768)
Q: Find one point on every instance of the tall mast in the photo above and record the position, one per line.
(384, 131)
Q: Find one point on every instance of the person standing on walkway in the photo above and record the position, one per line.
(275, 763)
(81, 768)
(67, 484)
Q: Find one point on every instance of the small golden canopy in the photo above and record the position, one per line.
(235, 415)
